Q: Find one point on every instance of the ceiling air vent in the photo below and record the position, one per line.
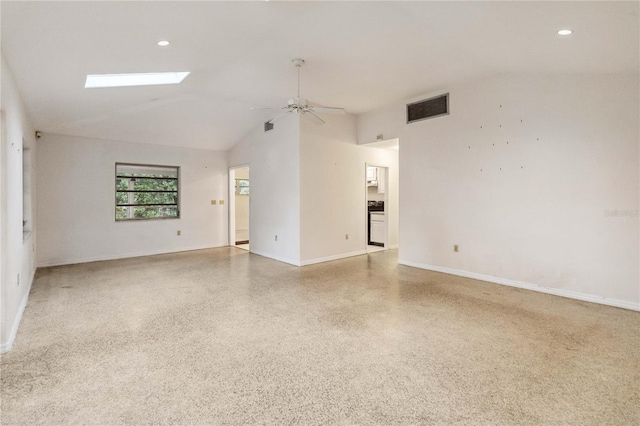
(428, 108)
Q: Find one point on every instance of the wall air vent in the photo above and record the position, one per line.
(268, 126)
(428, 108)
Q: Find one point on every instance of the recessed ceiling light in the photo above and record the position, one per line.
(138, 79)
(565, 32)
(163, 43)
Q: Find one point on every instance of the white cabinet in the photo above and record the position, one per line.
(376, 177)
(372, 176)
(382, 184)
(377, 227)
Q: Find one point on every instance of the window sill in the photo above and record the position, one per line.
(145, 219)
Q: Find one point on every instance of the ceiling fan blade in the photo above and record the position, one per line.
(279, 117)
(328, 110)
(314, 118)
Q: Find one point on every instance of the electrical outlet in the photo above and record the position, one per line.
(178, 233)
(346, 236)
(455, 248)
(276, 238)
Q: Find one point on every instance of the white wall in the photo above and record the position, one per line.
(373, 195)
(76, 181)
(308, 187)
(533, 212)
(333, 189)
(16, 252)
(242, 212)
(274, 159)
(382, 124)
(242, 173)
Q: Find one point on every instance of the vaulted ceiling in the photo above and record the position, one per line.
(359, 55)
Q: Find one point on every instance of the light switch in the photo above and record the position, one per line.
(213, 202)
(221, 201)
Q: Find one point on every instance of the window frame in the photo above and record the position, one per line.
(238, 186)
(130, 219)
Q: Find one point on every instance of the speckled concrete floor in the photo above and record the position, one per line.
(226, 337)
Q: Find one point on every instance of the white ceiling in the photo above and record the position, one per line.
(360, 56)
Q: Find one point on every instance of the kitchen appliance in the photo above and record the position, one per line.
(375, 223)
(375, 206)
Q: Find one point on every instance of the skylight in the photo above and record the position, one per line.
(138, 79)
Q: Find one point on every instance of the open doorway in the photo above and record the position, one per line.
(239, 197)
(377, 208)
(382, 191)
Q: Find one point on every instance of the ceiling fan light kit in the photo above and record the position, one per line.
(301, 106)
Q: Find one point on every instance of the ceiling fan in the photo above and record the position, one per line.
(300, 105)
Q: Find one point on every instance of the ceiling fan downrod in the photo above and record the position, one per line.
(297, 62)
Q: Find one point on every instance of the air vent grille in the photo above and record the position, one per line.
(428, 108)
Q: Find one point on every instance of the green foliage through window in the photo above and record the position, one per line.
(242, 186)
(146, 192)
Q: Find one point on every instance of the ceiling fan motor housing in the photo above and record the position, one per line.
(298, 102)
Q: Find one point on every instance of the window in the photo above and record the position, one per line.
(147, 192)
(242, 186)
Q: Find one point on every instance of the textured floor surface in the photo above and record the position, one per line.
(223, 336)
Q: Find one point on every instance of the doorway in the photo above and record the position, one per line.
(239, 207)
(377, 198)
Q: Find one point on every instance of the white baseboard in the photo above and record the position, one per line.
(274, 257)
(310, 261)
(6, 346)
(527, 286)
(125, 255)
(334, 257)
